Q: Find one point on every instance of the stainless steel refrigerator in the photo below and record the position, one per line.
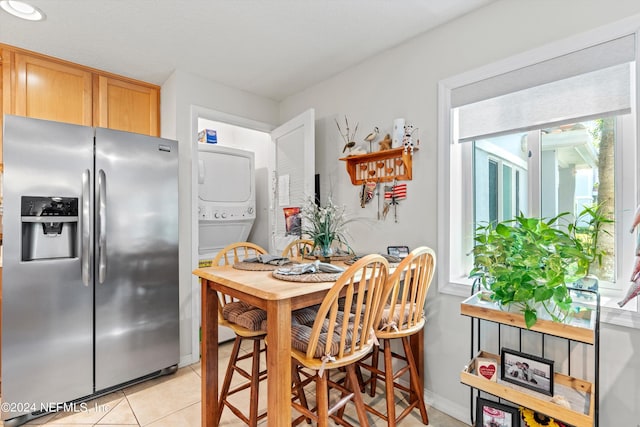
(90, 261)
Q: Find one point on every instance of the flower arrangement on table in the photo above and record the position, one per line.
(324, 225)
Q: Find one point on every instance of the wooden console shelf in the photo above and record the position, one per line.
(380, 166)
(582, 328)
(578, 392)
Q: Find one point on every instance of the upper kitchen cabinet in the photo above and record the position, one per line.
(43, 87)
(51, 90)
(125, 105)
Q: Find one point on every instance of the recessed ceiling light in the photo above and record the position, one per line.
(22, 10)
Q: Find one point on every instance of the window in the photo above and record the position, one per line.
(540, 138)
(575, 170)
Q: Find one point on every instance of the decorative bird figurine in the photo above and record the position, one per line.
(348, 145)
(372, 136)
(348, 137)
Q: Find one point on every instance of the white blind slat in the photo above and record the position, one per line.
(595, 94)
(603, 55)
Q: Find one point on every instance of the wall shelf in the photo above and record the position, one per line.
(380, 166)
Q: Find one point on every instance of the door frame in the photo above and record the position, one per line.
(218, 116)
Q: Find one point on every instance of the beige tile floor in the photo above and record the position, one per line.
(174, 401)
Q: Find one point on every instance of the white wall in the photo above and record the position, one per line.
(402, 82)
(180, 93)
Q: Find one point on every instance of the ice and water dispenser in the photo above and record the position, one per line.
(49, 227)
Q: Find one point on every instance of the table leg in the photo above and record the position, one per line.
(279, 363)
(209, 355)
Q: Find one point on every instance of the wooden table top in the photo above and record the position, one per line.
(260, 283)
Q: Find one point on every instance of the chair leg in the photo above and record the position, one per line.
(357, 397)
(255, 384)
(389, 384)
(322, 401)
(415, 381)
(297, 385)
(228, 375)
(361, 384)
(374, 376)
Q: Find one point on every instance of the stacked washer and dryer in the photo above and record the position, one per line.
(226, 202)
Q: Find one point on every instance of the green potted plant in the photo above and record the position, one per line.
(530, 263)
(585, 231)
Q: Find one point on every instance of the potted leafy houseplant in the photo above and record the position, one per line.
(530, 263)
(325, 225)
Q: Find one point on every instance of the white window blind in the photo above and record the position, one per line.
(592, 82)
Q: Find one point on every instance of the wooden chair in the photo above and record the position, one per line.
(337, 335)
(298, 248)
(401, 317)
(246, 321)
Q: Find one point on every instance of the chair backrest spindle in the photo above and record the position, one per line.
(349, 332)
(232, 254)
(406, 293)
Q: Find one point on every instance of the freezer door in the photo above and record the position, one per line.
(136, 262)
(47, 308)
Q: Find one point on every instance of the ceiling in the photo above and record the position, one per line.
(272, 48)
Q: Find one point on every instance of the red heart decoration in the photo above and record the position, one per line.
(487, 371)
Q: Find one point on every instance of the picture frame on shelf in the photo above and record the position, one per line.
(399, 251)
(487, 368)
(494, 414)
(526, 370)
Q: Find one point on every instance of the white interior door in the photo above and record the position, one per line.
(292, 176)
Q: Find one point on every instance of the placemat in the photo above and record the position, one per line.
(255, 266)
(308, 277)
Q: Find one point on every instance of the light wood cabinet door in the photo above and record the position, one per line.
(51, 90)
(127, 106)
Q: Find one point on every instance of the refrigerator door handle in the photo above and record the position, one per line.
(86, 227)
(102, 226)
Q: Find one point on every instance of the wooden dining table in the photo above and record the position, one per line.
(278, 298)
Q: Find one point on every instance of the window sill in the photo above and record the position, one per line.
(627, 316)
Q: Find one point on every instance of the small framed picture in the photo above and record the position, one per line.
(527, 371)
(487, 368)
(494, 414)
(399, 251)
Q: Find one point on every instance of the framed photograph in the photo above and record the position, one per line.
(527, 371)
(494, 414)
(292, 221)
(399, 251)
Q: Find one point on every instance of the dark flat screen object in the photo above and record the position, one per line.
(399, 251)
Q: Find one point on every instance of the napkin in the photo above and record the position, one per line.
(268, 259)
(314, 267)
